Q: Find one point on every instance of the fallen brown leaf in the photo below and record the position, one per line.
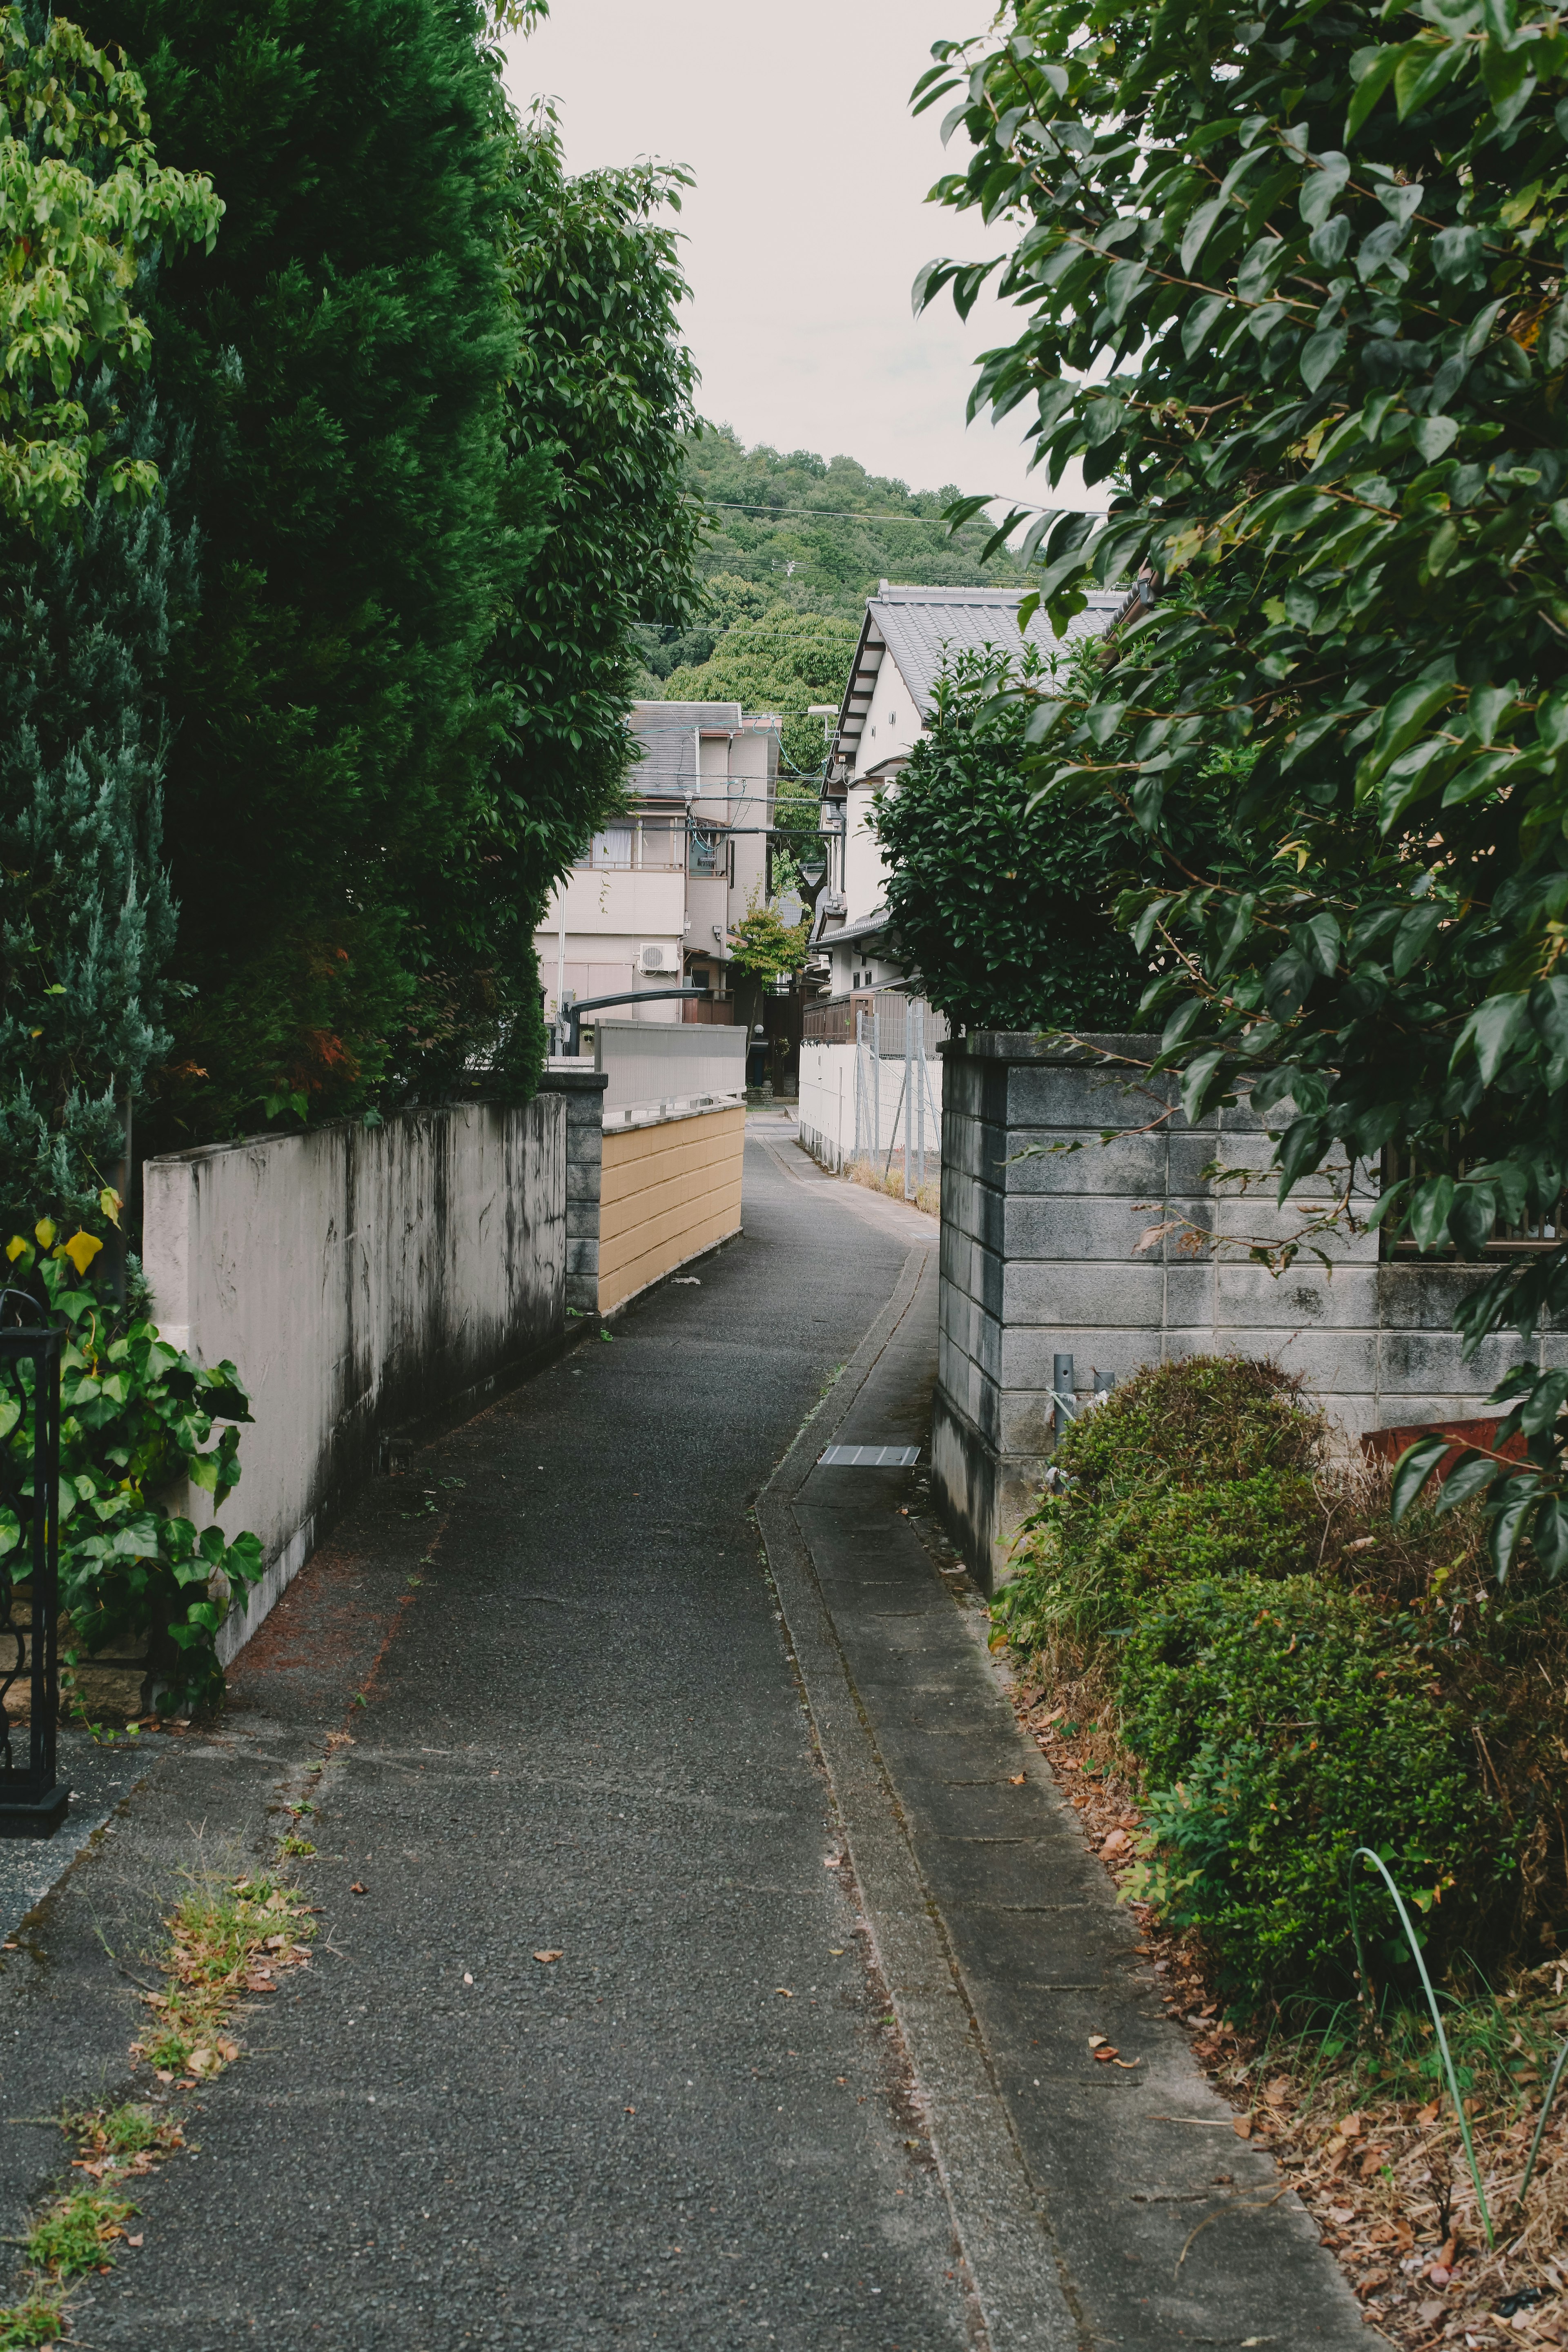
(783, 1992)
(136, 2240)
(544, 1959)
(1016, 1779)
(356, 1888)
(1242, 2127)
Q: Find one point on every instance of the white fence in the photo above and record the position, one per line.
(859, 1103)
(359, 1278)
(669, 1061)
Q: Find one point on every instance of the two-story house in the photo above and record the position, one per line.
(907, 636)
(650, 903)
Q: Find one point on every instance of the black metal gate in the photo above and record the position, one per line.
(31, 1804)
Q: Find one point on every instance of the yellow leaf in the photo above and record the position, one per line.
(109, 1201)
(81, 1249)
(45, 1229)
(15, 1247)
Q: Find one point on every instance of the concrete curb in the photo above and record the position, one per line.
(1014, 2271)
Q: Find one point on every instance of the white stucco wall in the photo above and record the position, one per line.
(358, 1279)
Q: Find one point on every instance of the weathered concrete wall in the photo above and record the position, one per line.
(360, 1278)
(1040, 1257)
(671, 1190)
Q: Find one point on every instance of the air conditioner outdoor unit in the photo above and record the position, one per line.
(657, 957)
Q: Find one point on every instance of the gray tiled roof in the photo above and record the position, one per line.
(669, 731)
(920, 624)
(921, 627)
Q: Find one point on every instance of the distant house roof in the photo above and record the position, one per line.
(670, 731)
(921, 626)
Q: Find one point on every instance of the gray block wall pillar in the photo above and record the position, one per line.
(1124, 1252)
(584, 1091)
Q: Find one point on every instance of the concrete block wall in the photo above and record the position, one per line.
(1049, 1247)
(583, 1088)
(360, 1278)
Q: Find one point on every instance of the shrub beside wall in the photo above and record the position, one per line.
(1289, 1677)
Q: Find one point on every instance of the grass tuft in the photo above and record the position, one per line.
(33, 2325)
(76, 2234)
(229, 1939)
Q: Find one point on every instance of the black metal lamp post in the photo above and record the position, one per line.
(31, 1804)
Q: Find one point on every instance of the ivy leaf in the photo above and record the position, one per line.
(1471, 1475)
(1413, 1469)
(1320, 355)
(1427, 1216)
(1492, 1031)
(1434, 435)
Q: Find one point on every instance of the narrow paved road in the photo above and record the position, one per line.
(590, 1716)
(585, 1736)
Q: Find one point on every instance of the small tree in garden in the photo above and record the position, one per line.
(762, 947)
(1293, 285)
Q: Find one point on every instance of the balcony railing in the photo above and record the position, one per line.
(1540, 1233)
(651, 845)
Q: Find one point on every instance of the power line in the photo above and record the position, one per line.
(862, 514)
(826, 514)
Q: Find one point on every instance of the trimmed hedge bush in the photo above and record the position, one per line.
(1289, 1677)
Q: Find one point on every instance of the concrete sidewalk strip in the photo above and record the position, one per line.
(1095, 2203)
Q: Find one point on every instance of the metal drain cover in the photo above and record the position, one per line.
(868, 1458)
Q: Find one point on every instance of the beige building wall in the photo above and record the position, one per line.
(671, 1188)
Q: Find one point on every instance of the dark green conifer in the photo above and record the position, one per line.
(86, 918)
(341, 358)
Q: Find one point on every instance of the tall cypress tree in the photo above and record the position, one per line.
(341, 358)
(87, 922)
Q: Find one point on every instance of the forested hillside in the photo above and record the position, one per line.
(795, 545)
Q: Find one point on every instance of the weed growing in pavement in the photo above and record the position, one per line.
(76, 2234)
(37, 2321)
(291, 1844)
(78, 2231)
(227, 1940)
(890, 1179)
(106, 2134)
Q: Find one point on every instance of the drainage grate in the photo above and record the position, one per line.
(868, 1458)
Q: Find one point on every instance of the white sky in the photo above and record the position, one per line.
(808, 220)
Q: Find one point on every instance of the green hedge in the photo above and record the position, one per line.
(1290, 1678)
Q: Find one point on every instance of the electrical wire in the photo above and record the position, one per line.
(862, 514)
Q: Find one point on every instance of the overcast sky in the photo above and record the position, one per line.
(808, 220)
